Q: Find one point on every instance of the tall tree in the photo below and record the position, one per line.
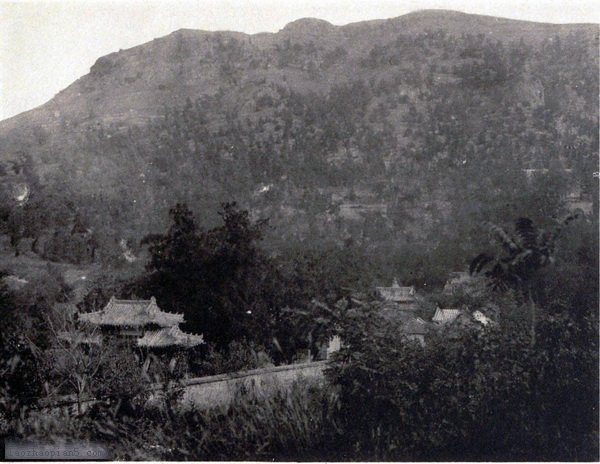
(220, 279)
(523, 254)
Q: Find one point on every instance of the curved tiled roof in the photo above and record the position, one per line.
(132, 313)
(172, 336)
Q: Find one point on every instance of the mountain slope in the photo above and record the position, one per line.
(134, 85)
(380, 131)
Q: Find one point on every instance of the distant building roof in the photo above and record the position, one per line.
(171, 336)
(357, 210)
(132, 313)
(542, 171)
(397, 293)
(443, 316)
(415, 326)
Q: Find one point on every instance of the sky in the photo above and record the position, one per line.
(46, 45)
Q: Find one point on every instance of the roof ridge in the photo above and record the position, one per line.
(400, 286)
(131, 301)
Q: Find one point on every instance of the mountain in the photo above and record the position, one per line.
(134, 85)
(390, 131)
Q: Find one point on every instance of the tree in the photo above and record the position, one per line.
(472, 393)
(21, 341)
(74, 359)
(484, 392)
(522, 256)
(81, 362)
(220, 279)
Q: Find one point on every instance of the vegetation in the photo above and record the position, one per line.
(526, 254)
(225, 284)
(485, 394)
(407, 141)
(479, 392)
(297, 424)
(218, 279)
(472, 392)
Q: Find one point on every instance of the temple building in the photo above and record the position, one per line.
(397, 297)
(142, 320)
(131, 317)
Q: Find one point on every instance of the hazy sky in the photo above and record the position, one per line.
(46, 45)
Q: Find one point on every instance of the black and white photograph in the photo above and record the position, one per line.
(306, 231)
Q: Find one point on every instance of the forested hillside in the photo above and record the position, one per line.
(403, 132)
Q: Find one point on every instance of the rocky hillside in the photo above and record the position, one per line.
(389, 131)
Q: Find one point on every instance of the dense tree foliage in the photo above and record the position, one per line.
(523, 256)
(480, 395)
(224, 283)
(24, 336)
(477, 392)
(215, 278)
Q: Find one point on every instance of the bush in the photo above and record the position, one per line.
(474, 394)
(239, 356)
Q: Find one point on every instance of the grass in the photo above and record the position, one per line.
(297, 424)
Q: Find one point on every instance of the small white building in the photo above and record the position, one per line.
(482, 318)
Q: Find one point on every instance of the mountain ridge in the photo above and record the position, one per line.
(306, 23)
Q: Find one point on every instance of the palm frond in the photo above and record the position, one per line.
(503, 276)
(479, 262)
(527, 232)
(524, 258)
(502, 237)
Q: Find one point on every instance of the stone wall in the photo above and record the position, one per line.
(217, 390)
(220, 390)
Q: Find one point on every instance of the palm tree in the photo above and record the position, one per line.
(524, 253)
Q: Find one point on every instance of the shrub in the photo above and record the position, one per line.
(474, 394)
(239, 356)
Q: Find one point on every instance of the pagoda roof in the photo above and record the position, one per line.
(171, 336)
(132, 313)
